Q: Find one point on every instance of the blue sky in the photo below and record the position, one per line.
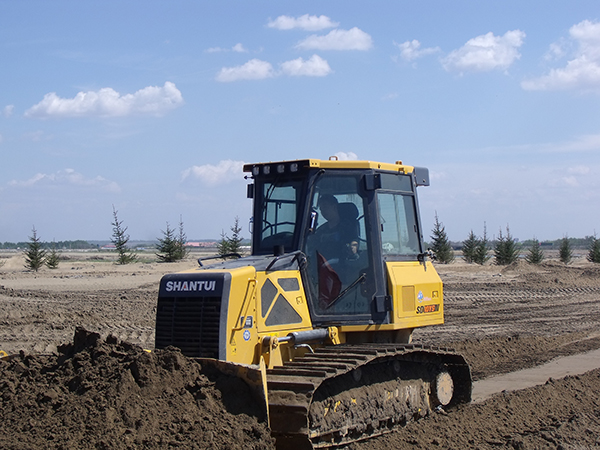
(153, 107)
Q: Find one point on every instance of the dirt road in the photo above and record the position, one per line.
(501, 319)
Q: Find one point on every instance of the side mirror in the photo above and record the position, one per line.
(421, 175)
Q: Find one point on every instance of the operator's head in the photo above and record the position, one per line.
(328, 205)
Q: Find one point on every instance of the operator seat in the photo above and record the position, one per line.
(349, 218)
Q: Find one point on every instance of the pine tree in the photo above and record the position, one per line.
(594, 250)
(565, 253)
(469, 248)
(506, 250)
(536, 254)
(441, 248)
(120, 239)
(182, 251)
(235, 241)
(231, 246)
(223, 245)
(52, 259)
(168, 248)
(481, 251)
(34, 255)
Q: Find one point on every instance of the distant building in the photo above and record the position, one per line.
(210, 244)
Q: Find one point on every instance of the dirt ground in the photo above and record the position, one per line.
(500, 318)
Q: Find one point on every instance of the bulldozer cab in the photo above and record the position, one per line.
(341, 221)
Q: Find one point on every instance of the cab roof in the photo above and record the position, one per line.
(332, 163)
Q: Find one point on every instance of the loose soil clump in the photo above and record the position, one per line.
(106, 394)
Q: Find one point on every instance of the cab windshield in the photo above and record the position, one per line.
(277, 215)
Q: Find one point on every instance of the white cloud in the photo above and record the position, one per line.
(225, 172)
(581, 72)
(151, 100)
(353, 39)
(584, 143)
(570, 181)
(255, 69)
(346, 156)
(486, 52)
(238, 48)
(313, 67)
(587, 34)
(579, 170)
(556, 51)
(411, 50)
(66, 178)
(305, 22)
(573, 178)
(8, 110)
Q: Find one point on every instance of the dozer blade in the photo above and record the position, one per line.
(254, 376)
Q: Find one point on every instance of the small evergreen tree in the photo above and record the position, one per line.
(594, 250)
(441, 248)
(481, 251)
(35, 255)
(469, 248)
(120, 239)
(536, 254)
(168, 248)
(223, 245)
(171, 248)
(235, 241)
(52, 258)
(506, 250)
(182, 251)
(565, 253)
(231, 245)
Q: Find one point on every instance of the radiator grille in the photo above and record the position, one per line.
(189, 323)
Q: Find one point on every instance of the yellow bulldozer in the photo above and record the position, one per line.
(320, 315)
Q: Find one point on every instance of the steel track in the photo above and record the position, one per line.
(338, 395)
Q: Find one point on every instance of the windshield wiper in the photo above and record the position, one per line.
(361, 277)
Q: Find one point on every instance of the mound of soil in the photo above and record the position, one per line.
(106, 394)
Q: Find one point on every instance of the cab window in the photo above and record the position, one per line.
(399, 232)
(278, 215)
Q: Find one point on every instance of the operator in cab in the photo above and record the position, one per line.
(333, 238)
